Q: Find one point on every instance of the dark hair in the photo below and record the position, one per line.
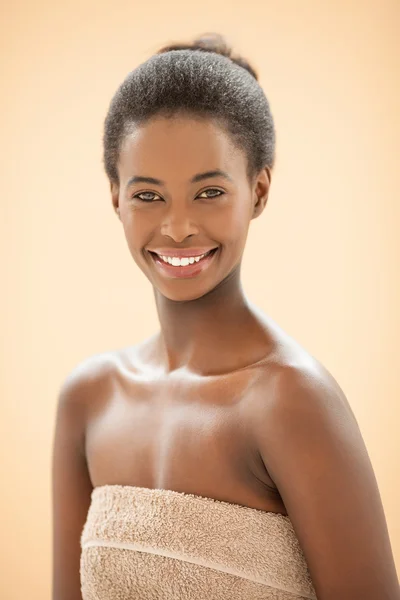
(203, 79)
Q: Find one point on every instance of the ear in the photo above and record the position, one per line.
(114, 188)
(260, 191)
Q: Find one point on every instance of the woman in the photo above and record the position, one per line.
(217, 459)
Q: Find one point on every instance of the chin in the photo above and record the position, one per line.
(183, 295)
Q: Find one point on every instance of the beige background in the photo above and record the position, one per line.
(323, 260)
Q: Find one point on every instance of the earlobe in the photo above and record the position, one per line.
(259, 205)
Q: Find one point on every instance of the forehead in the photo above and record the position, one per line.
(178, 147)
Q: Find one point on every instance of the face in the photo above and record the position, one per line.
(185, 202)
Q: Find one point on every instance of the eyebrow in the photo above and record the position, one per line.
(195, 179)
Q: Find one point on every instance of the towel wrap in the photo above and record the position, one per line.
(154, 544)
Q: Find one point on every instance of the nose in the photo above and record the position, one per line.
(178, 224)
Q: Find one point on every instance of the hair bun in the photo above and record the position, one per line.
(212, 42)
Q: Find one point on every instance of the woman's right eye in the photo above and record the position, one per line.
(147, 196)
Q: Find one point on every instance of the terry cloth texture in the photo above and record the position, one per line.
(152, 544)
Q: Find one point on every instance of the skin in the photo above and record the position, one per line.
(221, 402)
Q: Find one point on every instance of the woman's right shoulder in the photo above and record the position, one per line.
(88, 379)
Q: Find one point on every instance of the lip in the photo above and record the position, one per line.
(183, 272)
(180, 253)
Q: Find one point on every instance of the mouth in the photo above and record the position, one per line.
(183, 267)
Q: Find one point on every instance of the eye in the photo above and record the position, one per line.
(147, 196)
(213, 195)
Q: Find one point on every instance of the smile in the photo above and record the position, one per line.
(183, 266)
(178, 261)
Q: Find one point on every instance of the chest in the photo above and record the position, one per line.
(190, 436)
(155, 426)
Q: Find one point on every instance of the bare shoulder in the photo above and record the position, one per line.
(87, 384)
(289, 369)
(292, 379)
(297, 381)
(71, 483)
(86, 376)
(92, 382)
(314, 452)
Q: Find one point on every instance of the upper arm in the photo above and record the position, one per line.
(71, 487)
(312, 448)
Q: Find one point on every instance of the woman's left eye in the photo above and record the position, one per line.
(213, 195)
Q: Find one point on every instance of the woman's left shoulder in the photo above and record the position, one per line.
(301, 382)
(290, 375)
(314, 452)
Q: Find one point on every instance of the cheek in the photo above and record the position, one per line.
(139, 220)
(233, 223)
(137, 228)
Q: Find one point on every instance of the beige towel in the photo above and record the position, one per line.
(151, 544)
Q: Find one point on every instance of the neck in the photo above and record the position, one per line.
(215, 333)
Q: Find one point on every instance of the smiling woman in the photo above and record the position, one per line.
(180, 212)
(216, 459)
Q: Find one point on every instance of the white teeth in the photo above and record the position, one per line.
(182, 262)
